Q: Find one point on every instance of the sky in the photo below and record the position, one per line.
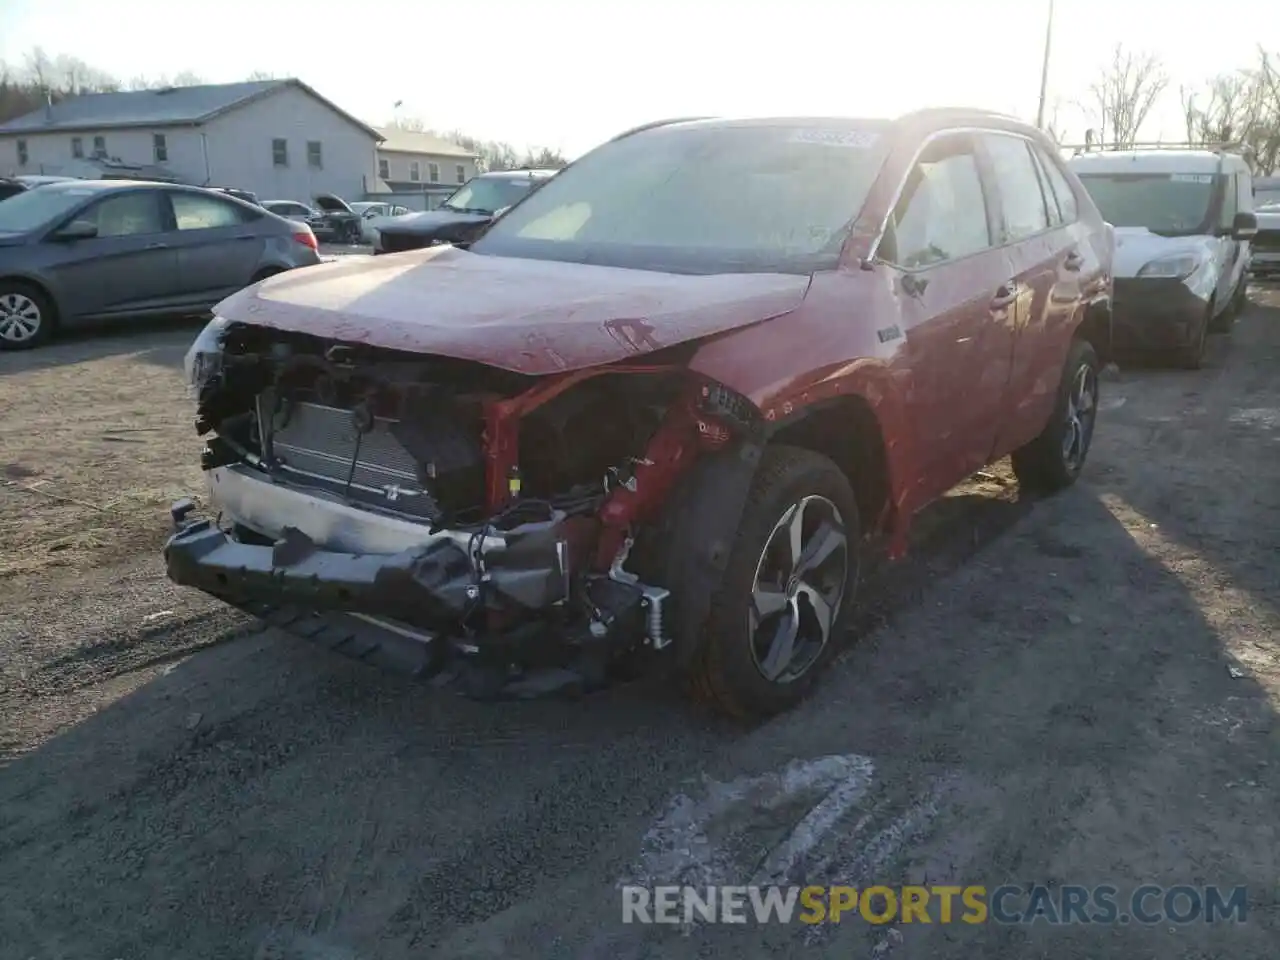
(568, 75)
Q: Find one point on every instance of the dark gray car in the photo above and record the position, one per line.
(86, 250)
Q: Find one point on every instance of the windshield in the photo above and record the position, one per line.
(488, 194)
(1172, 204)
(702, 199)
(38, 206)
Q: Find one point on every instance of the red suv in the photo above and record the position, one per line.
(663, 407)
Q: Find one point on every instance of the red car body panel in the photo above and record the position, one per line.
(958, 373)
(529, 316)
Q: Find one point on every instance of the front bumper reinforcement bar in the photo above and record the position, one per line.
(433, 586)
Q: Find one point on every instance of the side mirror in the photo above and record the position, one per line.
(1244, 226)
(79, 230)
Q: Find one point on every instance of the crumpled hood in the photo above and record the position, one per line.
(328, 203)
(528, 316)
(432, 222)
(1138, 246)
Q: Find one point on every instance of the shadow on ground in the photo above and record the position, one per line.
(160, 342)
(260, 793)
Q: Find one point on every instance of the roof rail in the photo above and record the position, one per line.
(1225, 146)
(654, 123)
(960, 113)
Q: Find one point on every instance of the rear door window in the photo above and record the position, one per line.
(192, 211)
(1022, 200)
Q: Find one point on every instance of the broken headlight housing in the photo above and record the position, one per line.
(204, 358)
(1177, 267)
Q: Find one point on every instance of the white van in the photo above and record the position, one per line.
(1183, 221)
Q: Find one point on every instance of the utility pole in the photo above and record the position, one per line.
(1044, 69)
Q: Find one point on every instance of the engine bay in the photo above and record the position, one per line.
(530, 491)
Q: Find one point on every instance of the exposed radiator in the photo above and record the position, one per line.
(318, 443)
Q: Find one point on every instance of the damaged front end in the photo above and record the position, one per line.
(491, 513)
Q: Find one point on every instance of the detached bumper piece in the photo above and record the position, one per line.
(411, 611)
(433, 586)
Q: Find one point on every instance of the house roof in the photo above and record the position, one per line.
(167, 107)
(396, 140)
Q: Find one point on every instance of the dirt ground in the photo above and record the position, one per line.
(1080, 690)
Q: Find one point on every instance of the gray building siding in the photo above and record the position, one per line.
(233, 149)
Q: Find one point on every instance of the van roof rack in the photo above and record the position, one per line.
(1224, 146)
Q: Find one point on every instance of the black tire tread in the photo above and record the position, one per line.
(705, 678)
(48, 313)
(1038, 465)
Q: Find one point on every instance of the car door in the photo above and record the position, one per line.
(1226, 247)
(129, 266)
(1037, 297)
(939, 239)
(219, 245)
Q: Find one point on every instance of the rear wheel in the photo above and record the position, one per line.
(1054, 459)
(26, 316)
(788, 589)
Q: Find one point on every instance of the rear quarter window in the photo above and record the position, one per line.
(1059, 185)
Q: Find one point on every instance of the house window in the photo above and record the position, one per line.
(384, 169)
(415, 171)
(314, 159)
(160, 147)
(280, 153)
(433, 172)
(99, 146)
(77, 147)
(22, 153)
(461, 173)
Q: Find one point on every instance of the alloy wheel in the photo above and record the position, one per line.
(798, 589)
(1082, 411)
(20, 317)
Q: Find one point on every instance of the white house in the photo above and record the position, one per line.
(277, 138)
(409, 161)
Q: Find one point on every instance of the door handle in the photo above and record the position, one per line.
(244, 236)
(1074, 261)
(158, 245)
(1007, 293)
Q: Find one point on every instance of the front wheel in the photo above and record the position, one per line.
(788, 588)
(26, 317)
(1054, 459)
(1191, 356)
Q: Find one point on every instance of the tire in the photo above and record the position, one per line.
(1045, 465)
(20, 305)
(1239, 301)
(264, 273)
(1191, 356)
(732, 669)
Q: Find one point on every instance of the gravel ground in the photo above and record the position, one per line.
(1079, 690)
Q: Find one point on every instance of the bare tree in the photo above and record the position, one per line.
(1125, 93)
(260, 75)
(1052, 127)
(1265, 137)
(163, 82)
